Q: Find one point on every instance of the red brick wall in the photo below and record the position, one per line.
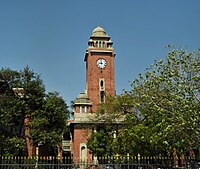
(93, 74)
(77, 108)
(81, 135)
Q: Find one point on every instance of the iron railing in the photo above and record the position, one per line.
(137, 162)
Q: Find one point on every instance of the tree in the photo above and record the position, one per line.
(10, 118)
(161, 112)
(26, 111)
(51, 120)
(101, 142)
(108, 119)
(168, 98)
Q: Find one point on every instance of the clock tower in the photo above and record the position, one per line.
(99, 60)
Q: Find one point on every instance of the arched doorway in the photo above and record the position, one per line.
(83, 152)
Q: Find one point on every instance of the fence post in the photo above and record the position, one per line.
(139, 159)
(117, 156)
(128, 160)
(37, 157)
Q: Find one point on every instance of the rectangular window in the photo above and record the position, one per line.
(83, 109)
(102, 96)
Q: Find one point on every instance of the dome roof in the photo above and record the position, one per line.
(99, 32)
(82, 98)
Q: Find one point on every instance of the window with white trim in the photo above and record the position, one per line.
(83, 109)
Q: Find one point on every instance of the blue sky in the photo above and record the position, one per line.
(50, 36)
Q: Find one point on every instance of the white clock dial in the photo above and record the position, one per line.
(101, 63)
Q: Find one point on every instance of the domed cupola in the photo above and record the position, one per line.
(99, 32)
(82, 98)
(99, 39)
(82, 103)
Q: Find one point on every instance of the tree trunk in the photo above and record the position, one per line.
(182, 159)
(29, 142)
(175, 157)
(191, 152)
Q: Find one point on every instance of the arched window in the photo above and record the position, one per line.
(101, 85)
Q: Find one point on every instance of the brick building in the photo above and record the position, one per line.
(99, 59)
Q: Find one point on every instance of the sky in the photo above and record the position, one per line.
(51, 37)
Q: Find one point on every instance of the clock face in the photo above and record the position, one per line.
(101, 63)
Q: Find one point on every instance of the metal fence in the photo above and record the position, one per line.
(101, 163)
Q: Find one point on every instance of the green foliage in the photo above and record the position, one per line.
(51, 120)
(168, 98)
(11, 76)
(100, 142)
(162, 111)
(14, 145)
(46, 112)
